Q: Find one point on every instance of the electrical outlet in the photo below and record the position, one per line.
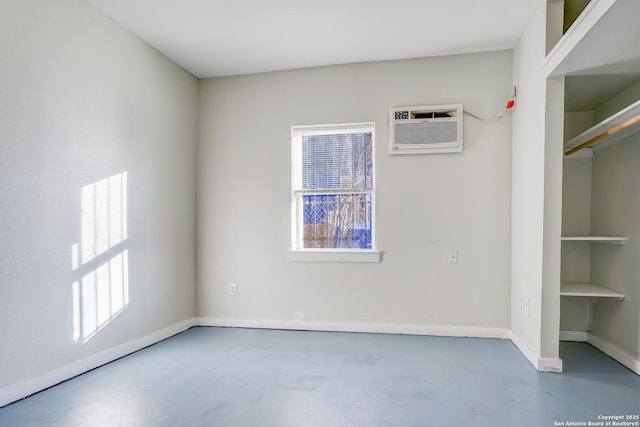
(453, 257)
(233, 289)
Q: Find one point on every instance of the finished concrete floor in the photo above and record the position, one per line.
(254, 378)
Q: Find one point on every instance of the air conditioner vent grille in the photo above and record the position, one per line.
(426, 133)
(417, 130)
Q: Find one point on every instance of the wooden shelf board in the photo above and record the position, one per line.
(615, 240)
(588, 290)
(606, 125)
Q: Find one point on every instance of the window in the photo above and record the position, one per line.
(333, 194)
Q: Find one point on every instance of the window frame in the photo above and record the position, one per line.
(297, 251)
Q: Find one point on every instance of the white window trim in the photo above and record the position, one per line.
(298, 254)
(334, 255)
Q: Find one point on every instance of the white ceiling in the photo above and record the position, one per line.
(229, 37)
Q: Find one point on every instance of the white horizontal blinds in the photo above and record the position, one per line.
(334, 187)
(337, 161)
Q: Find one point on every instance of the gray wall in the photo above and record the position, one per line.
(527, 215)
(615, 211)
(82, 100)
(427, 204)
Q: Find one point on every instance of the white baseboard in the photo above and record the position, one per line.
(577, 336)
(55, 376)
(625, 358)
(543, 364)
(377, 328)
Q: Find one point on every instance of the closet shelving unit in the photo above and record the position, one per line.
(602, 40)
(589, 289)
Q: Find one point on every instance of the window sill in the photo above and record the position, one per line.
(336, 255)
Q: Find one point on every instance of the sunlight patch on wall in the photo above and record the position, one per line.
(104, 216)
(101, 258)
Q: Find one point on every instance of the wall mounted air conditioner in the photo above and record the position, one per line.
(417, 130)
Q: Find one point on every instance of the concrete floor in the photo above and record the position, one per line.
(255, 378)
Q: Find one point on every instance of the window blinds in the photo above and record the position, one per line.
(337, 161)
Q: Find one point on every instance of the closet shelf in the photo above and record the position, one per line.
(624, 122)
(588, 290)
(615, 240)
(602, 40)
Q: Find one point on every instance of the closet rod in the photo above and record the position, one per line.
(622, 126)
